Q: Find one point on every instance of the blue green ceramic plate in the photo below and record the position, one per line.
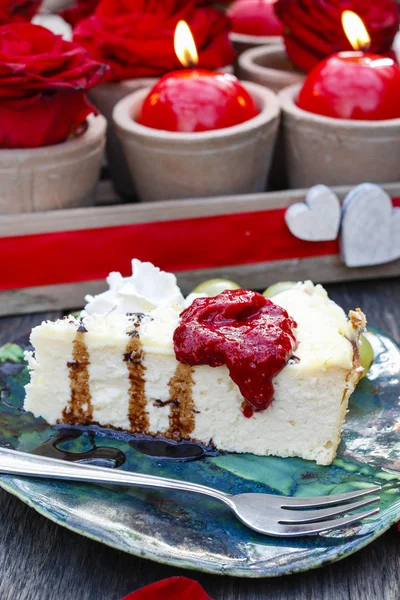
(196, 533)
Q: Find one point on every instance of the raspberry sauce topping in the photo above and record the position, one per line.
(241, 329)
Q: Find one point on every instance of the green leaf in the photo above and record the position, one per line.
(11, 352)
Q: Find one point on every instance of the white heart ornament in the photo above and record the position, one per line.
(370, 227)
(318, 218)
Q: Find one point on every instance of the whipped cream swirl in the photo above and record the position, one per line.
(145, 290)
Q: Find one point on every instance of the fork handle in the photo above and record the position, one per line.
(13, 462)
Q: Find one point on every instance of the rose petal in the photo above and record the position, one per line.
(79, 11)
(34, 60)
(135, 37)
(42, 120)
(18, 10)
(174, 588)
(313, 28)
(43, 80)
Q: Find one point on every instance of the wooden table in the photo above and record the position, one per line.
(42, 561)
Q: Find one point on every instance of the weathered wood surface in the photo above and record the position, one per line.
(111, 214)
(42, 561)
(69, 296)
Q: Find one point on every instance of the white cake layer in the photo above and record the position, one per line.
(160, 369)
(304, 420)
(48, 392)
(310, 401)
(108, 375)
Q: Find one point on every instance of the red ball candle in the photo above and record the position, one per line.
(255, 17)
(353, 85)
(196, 100)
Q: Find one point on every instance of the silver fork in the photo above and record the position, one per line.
(280, 516)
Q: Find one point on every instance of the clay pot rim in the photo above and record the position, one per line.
(259, 40)
(146, 81)
(287, 100)
(247, 61)
(270, 110)
(96, 129)
(125, 83)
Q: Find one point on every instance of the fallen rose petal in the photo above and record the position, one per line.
(175, 588)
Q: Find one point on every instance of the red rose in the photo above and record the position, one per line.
(18, 10)
(79, 11)
(135, 37)
(43, 80)
(174, 588)
(313, 28)
(255, 17)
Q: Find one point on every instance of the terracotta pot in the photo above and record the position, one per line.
(60, 176)
(242, 42)
(105, 97)
(321, 149)
(54, 6)
(269, 66)
(167, 165)
(230, 69)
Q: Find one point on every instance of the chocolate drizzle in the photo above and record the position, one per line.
(137, 319)
(79, 409)
(133, 357)
(137, 316)
(293, 360)
(182, 411)
(98, 455)
(181, 451)
(181, 417)
(108, 456)
(162, 403)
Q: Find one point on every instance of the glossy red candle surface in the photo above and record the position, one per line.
(243, 330)
(255, 17)
(196, 100)
(353, 85)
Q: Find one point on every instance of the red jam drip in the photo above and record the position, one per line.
(241, 329)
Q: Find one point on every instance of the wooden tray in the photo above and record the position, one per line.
(107, 214)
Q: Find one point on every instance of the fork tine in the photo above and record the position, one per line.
(309, 528)
(310, 516)
(318, 501)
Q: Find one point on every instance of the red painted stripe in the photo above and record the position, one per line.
(180, 245)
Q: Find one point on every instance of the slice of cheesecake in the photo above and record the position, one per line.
(121, 371)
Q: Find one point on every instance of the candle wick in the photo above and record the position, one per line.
(190, 64)
(364, 47)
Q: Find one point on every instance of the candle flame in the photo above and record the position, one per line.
(355, 31)
(184, 44)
